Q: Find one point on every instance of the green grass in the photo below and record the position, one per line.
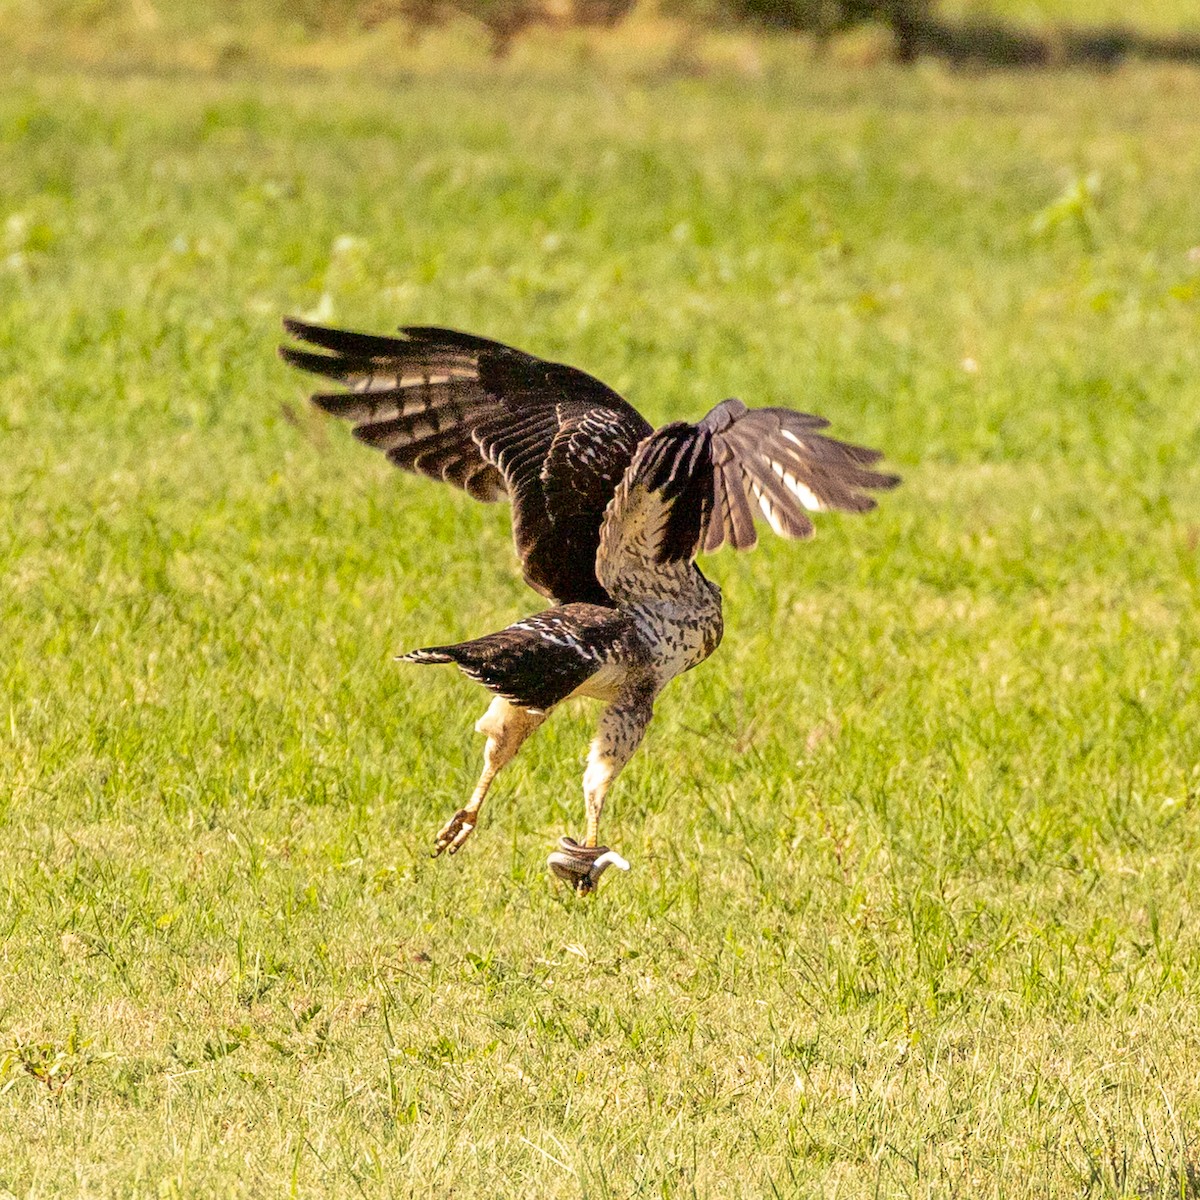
(915, 906)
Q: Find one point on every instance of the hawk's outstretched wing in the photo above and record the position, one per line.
(493, 421)
(692, 488)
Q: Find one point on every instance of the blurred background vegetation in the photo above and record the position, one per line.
(1027, 33)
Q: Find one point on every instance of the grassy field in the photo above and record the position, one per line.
(915, 899)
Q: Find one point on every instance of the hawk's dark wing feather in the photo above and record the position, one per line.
(493, 421)
(775, 460)
(692, 488)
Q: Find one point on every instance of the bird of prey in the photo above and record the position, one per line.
(608, 515)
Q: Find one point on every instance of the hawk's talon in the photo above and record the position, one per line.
(455, 832)
(582, 866)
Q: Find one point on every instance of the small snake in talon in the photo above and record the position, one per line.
(582, 866)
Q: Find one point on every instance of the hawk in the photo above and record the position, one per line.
(608, 516)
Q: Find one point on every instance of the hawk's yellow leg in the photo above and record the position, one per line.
(506, 727)
(621, 729)
(620, 733)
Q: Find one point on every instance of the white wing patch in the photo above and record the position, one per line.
(805, 495)
(768, 510)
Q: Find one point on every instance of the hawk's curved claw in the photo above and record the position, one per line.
(455, 831)
(582, 866)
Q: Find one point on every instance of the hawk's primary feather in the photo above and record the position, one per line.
(494, 421)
